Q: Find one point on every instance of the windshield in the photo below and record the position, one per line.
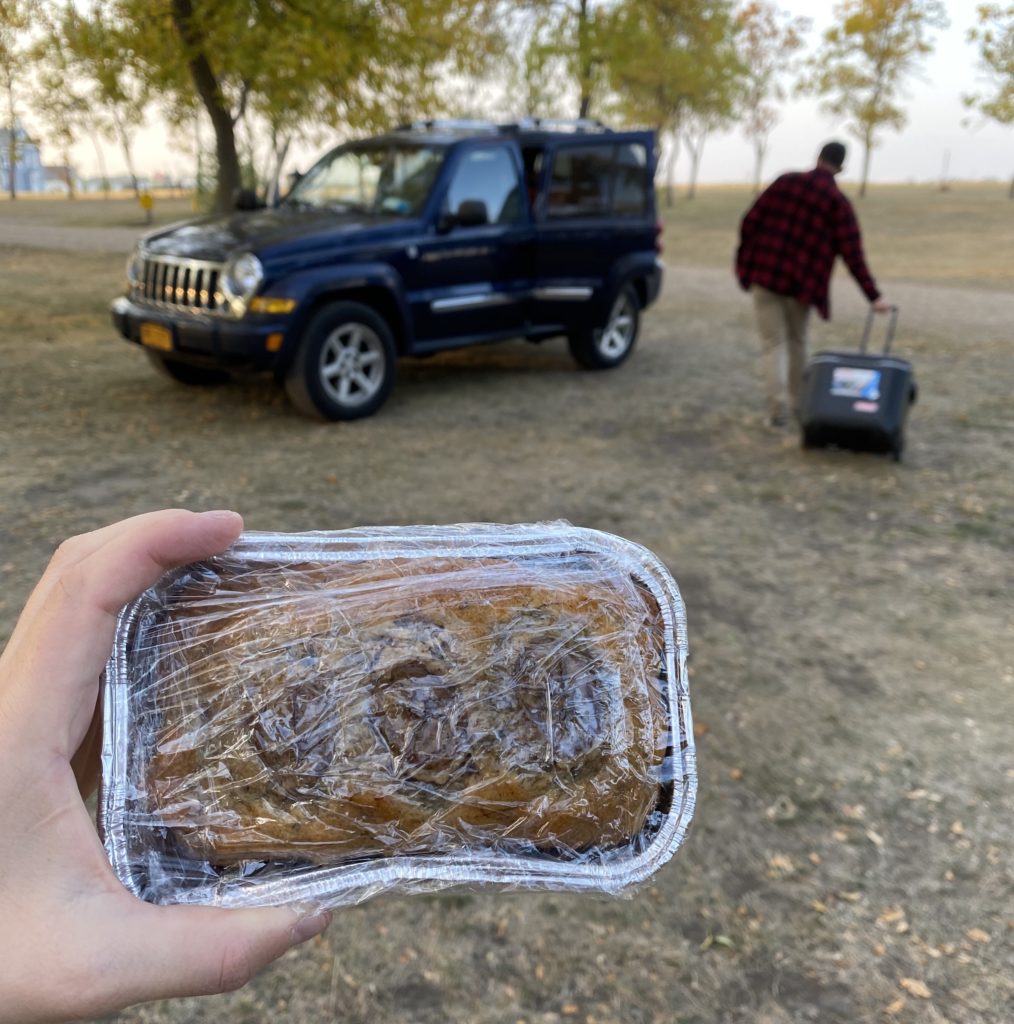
(371, 178)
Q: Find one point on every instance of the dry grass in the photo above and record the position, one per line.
(850, 627)
(914, 233)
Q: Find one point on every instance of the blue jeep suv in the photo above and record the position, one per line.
(434, 236)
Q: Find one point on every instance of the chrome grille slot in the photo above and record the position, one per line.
(178, 284)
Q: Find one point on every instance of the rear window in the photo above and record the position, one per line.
(598, 181)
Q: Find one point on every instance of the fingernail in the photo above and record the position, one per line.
(311, 925)
(221, 513)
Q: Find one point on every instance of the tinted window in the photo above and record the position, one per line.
(488, 174)
(594, 181)
(629, 191)
(579, 186)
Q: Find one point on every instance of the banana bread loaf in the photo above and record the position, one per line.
(339, 710)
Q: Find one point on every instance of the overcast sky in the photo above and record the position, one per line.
(936, 123)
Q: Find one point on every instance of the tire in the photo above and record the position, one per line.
(344, 367)
(602, 348)
(184, 373)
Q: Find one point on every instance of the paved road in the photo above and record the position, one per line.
(53, 236)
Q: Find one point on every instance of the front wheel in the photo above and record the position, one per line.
(345, 365)
(602, 348)
(184, 373)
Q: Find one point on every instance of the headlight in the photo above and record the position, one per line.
(243, 276)
(135, 268)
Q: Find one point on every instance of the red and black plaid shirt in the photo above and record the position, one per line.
(791, 235)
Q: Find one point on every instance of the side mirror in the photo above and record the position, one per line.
(472, 213)
(247, 199)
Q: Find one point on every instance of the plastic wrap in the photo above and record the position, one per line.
(325, 716)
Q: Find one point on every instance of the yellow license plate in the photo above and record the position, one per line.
(156, 336)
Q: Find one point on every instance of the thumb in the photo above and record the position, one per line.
(192, 951)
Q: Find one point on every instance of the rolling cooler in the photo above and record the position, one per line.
(857, 400)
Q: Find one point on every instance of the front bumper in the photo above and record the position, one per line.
(205, 340)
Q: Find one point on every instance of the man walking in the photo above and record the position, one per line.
(788, 242)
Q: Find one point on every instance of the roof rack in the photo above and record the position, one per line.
(559, 124)
(524, 124)
(450, 125)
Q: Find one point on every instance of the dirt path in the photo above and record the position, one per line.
(72, 239)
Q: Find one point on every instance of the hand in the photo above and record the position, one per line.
(74, 943)
(881, 305)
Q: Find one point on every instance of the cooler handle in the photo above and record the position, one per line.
(892, 325)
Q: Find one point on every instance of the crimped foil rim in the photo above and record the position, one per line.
(338, 884)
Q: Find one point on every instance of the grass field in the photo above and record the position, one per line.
(851, 623)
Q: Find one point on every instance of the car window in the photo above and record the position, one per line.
(598, 181)
(630, 192)
(378, 179)
(488, 174)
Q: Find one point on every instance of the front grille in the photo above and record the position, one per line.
(189, 286)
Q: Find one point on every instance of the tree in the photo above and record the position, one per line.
(863, 60)
(15, 20)
(769, 39)
(994, 37)
(673, 59)
(358, 63)
(90, 50)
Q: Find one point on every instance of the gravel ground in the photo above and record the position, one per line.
(850, 625)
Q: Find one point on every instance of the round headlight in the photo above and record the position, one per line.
(244, 275)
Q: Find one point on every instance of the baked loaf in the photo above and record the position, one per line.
(331, 711)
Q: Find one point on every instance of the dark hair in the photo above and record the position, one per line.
(833, 153)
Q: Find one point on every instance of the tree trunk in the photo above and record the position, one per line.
(670, 170)
(100, 158)
(584, 61)
(867, 157)
(128, 157)
(280, 149)
(696, 151)
(759, 149)
(70, 174)
(12, 141)
(210, 93)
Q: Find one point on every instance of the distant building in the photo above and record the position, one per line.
(29, 175)
(60, 178)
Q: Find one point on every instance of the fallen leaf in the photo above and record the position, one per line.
(735, 774)
(701, 729)
(815, 858)
(780, 865)
(540, 971)
(879, 949)
(850, 897)
(854, 811)
(978, 935)
(568, 1009)
(957, 829)
(874, 837)
(891, 916)
(896, 1007)
(821, 908)
(914, 987)
(841, 835)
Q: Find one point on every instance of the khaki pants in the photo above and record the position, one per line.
(782, 323)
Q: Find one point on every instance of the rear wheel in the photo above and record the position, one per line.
(184, 373)
(345, 365)
(606, 346)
